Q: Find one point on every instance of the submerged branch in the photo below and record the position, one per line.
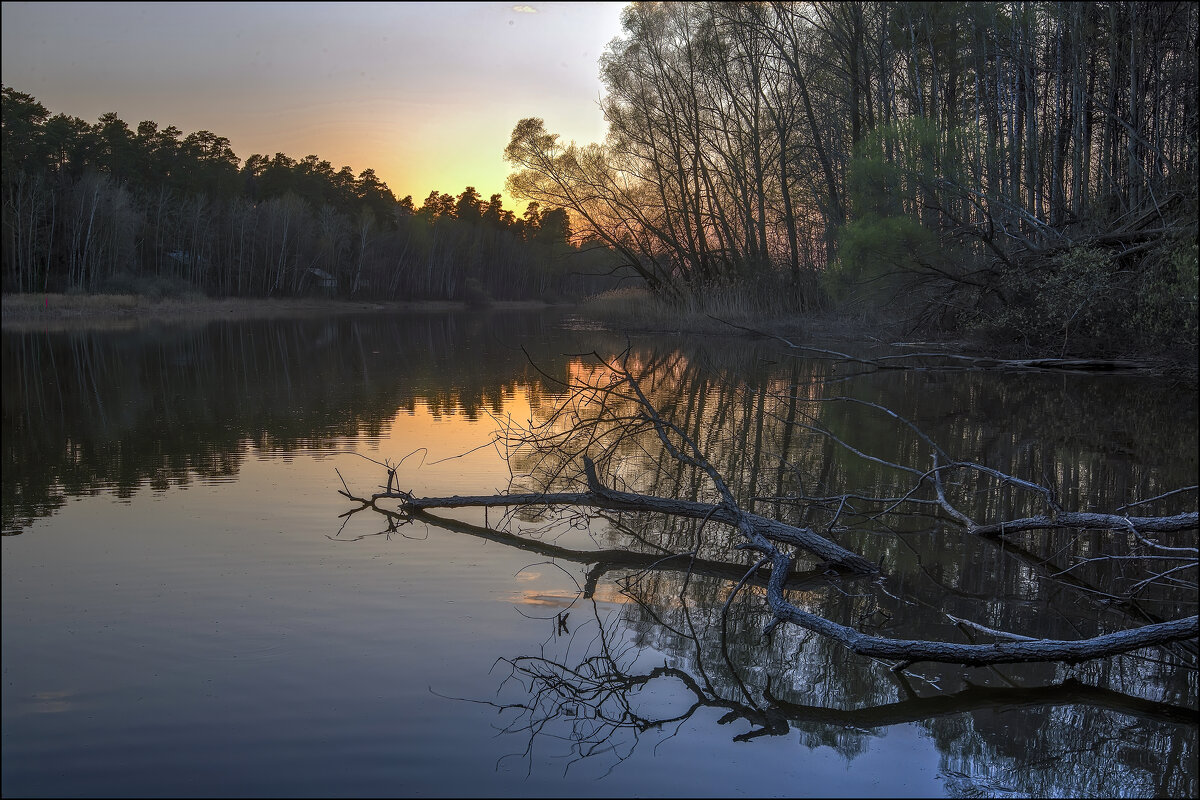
(608, 421)
(948, 362)
(602, 561)
(599, 496)
(911, 651)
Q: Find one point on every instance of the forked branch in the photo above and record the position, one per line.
(613, 411)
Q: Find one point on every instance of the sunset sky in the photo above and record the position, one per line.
(427, 94)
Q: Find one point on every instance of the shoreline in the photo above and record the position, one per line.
(865, 337)
(56, 312)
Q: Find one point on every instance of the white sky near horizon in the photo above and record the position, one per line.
(426, 94)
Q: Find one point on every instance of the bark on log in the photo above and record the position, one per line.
(599, 496)
(911, 651)
(1076, 519)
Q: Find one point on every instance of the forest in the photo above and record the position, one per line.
(105, 208)
(1024, 171)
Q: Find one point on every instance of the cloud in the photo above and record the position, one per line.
(525, 9)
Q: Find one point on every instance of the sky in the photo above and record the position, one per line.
(426, 94)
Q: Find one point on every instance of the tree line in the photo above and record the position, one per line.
(1028, 169)
(104, 207)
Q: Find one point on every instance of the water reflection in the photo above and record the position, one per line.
(163, 406)
(599, 700)
(763, 436)
(121, 412)
(1042, 729)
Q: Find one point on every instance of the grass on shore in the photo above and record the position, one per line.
(636, 309)
(629, 309)
(83, 308)
(59, 311)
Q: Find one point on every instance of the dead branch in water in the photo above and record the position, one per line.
(610, 412)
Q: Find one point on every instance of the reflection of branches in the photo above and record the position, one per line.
(601, 561)
(978, 698)
(1055, 518)
(595, 703)
(592, 700)
(607, 416)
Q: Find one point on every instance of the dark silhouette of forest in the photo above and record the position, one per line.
(1027, 170)
(106, 208)
(1022, 172)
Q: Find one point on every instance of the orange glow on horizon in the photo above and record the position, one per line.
(425, 94)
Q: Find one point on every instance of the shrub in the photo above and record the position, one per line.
(1165, 300)
(1089, 300)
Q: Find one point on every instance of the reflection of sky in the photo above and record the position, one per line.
(213, 638)
(426, 94)
(227, 636)
(442, 454)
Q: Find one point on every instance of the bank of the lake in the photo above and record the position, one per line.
(63, 311)
(631, 311)
(627, 311)
(867, 333)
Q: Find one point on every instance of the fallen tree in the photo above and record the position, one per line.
(602, 417)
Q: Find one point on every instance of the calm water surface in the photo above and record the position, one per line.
(185, 612)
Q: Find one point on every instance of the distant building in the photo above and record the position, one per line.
(321, 281)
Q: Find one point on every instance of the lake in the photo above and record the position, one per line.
(188, 612)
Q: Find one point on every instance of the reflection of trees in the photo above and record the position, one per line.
(623, 431)
(599, 694)
(775, 440)
(783, 443)
(94, 410)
